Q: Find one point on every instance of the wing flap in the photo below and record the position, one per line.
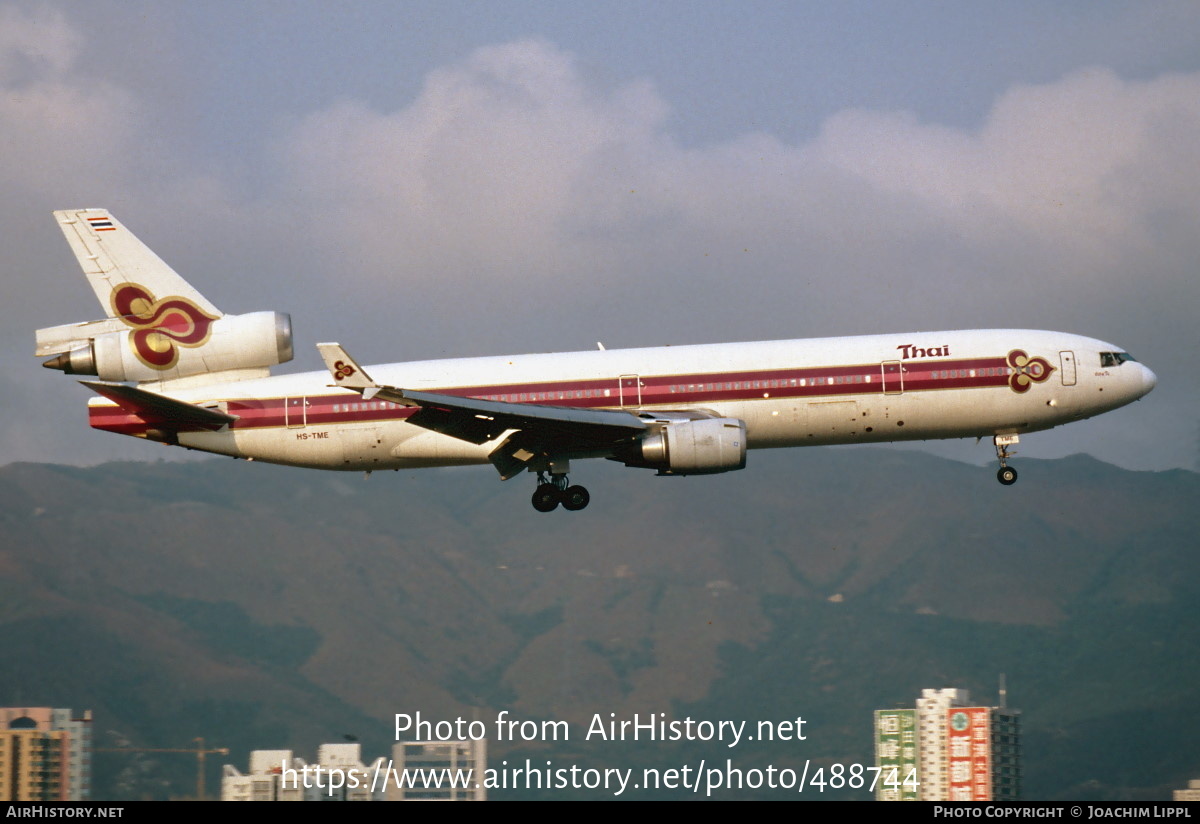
(518, 450)
(460, 417)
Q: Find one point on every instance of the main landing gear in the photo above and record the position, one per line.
(550, 493)
(1006, 475)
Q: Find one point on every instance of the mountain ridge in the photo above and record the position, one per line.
(266, 607)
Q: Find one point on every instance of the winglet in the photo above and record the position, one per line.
(345, 370)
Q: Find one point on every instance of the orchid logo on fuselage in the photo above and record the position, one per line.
(1025, 371)
(160, 326)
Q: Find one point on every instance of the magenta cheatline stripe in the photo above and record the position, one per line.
(715, 387)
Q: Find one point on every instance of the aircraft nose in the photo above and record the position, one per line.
(1149, 380)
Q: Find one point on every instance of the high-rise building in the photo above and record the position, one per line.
(932, 707)
(1006, 754)
(438, 771)
(264, 782)
(343, 763)
(33, 765)
(897, 756)
(418, 771)
(45, 754)
(1192, 793)
(277, 775)
(962, 753)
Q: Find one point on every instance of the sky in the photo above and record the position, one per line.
(443, 179)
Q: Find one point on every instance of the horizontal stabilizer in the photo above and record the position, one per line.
(55, 340)
(159, 408)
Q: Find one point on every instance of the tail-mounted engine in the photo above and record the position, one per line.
(180, 342)
(683, 445)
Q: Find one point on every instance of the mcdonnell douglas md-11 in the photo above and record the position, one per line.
(174, 368)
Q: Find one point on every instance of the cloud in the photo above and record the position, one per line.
(511, 166)
(1086, 162)
(518, 201)
(516, 192)
(491, 168)
(71, 139)
(35, 41)
(61, 126)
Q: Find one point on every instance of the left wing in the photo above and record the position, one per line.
(536, 431)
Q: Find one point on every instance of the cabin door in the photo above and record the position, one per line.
(629, 390)
(892, 375)
(1067, 361)
(295, 412)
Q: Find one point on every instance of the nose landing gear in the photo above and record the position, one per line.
(556, 490)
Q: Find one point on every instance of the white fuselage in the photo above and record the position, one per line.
(866, 389)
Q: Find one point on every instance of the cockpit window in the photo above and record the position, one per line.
(1114, 358)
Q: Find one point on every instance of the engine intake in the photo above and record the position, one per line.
(691, 447)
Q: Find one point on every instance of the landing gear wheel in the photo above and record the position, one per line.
(1007, 475)
(575, 498)
(546, 498)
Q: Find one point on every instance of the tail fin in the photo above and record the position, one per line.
(158, 327)
(112, 256)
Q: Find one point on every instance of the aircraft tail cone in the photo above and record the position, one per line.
(60, 362)
(79, 361)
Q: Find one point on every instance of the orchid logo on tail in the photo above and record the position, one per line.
(160, 326)
(342, 370)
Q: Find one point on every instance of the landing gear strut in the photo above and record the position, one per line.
(1006, 475)
(556, 490)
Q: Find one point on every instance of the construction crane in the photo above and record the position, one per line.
(199, 751)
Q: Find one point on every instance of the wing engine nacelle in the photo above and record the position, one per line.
(114, 352)
(702, 446)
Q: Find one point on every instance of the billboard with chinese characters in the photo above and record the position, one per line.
(896, 755)
(969, 756)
